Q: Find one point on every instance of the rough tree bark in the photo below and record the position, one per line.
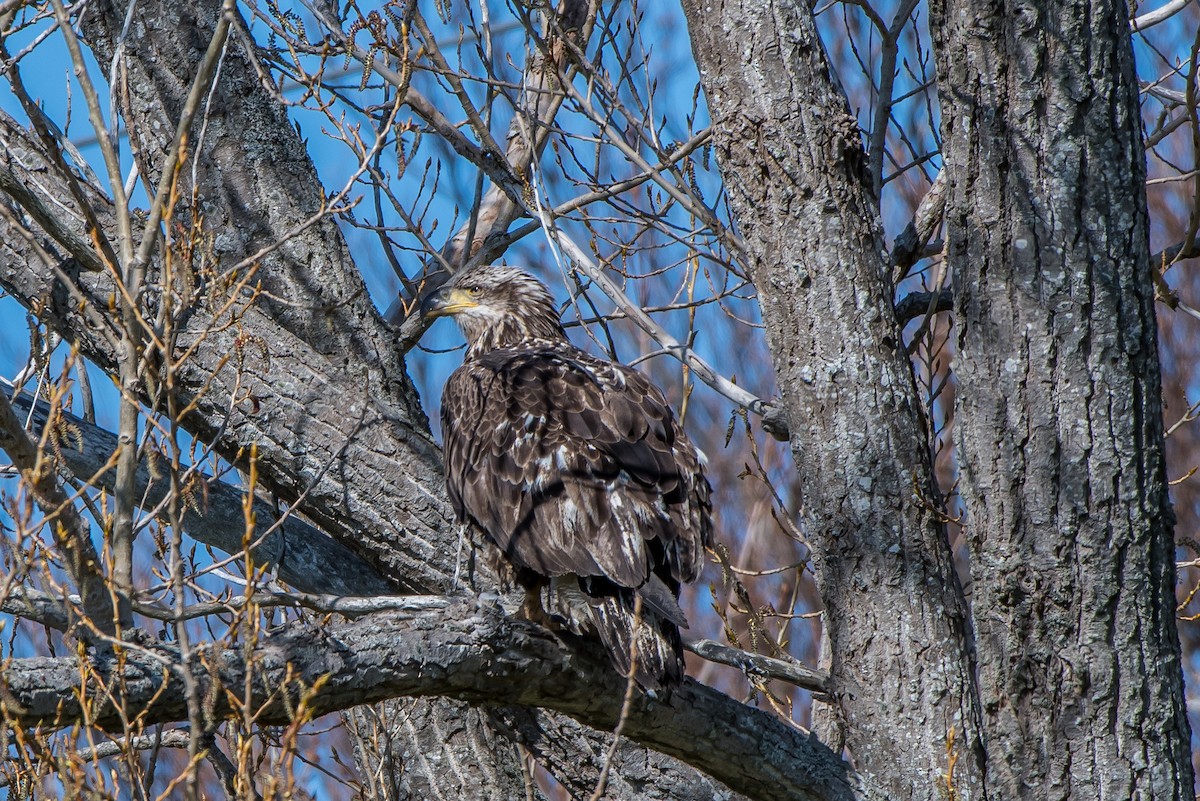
(792, 161)
(1059, 418)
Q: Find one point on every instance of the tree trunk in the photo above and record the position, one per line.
(792, 161)
(1059, 418)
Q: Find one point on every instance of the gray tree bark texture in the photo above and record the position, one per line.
(792, 161)
(1059, 418)
(637, 772)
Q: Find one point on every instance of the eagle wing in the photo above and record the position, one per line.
(571, 464)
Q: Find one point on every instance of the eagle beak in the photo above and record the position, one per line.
(447, 300)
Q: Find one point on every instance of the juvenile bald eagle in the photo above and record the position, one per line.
(575, 469)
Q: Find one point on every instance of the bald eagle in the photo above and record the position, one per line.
(575, 469)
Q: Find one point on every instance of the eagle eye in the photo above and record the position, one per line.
(474, 290)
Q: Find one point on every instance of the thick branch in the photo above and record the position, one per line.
(638, 772)
(299, 553)
(909, 247)
(759, 665)
(49, 219)
(466, 651)
(320, 435)
(917, 304)
(37, 606)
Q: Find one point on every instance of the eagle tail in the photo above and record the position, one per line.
(628, 632)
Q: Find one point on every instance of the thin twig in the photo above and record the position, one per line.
(759, 665)
(702, 369)
(172, 738)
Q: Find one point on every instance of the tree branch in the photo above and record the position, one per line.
(917, 304)
(49, 219)
(909, 246)
(639, 773)
(480, 239)
(299, 553)
(759, 665)
(174, 738)
(467, 651)
(35, 605)
(71, 532)
(775, 425)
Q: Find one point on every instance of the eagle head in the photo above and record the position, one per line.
(496, 307)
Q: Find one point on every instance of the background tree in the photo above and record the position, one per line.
(248, 533)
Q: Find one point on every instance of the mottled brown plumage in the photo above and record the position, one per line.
(574, 468)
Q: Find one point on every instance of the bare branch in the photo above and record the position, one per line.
(465, 651)
(200, 86)
(299, 552)
(545, 76)
(348, 606)
(702, 369)
(914, 305)
(71, 532)
(35, 605)
(640, 773)
(48, 219)
(760, 666)
(1160, 14)
(909, 246)
(173, 738)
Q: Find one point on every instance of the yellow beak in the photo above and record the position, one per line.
(445, 301)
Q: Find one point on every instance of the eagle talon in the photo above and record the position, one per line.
(531, 610)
